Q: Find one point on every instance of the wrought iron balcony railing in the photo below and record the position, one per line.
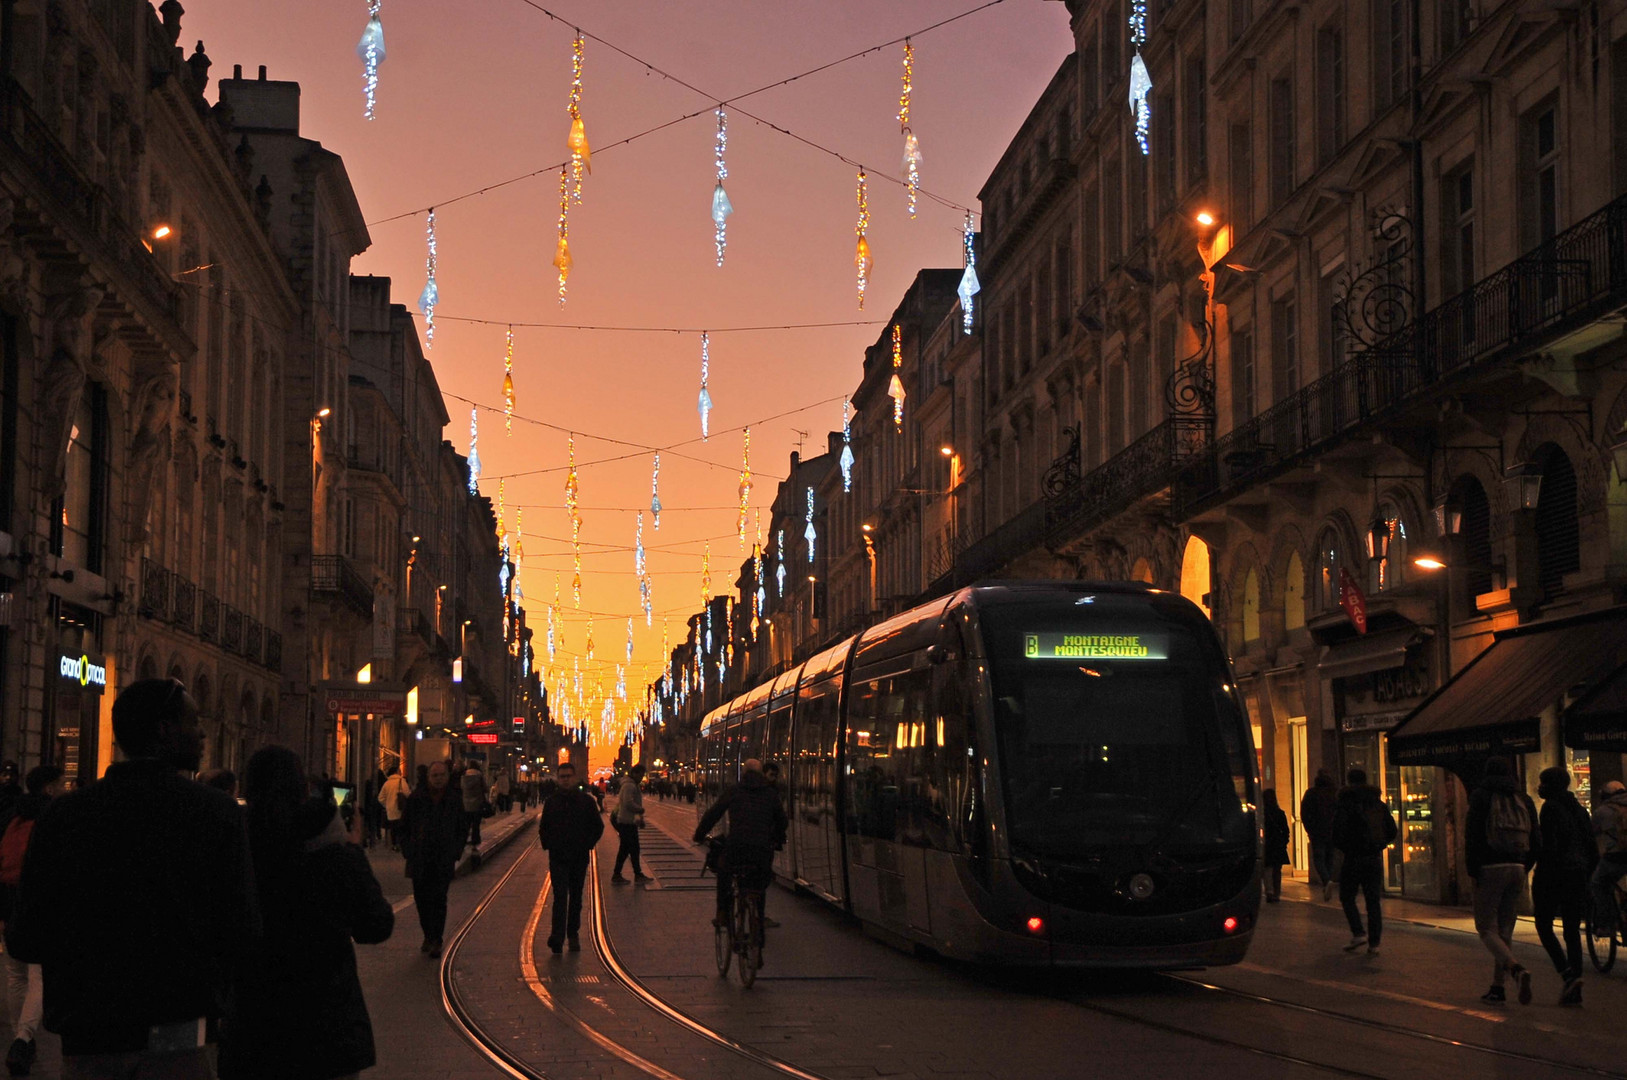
(333, 575)
(231, 628)
(184, 604)
(273, 654)
(155, 590)
(209, 617)
(252, 634)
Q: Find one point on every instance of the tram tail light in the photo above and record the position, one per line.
(1230, 925)
(1036, 925)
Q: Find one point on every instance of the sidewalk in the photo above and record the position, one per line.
(1437, 916)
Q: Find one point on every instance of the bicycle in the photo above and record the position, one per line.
(741, 934)
(1601, 948)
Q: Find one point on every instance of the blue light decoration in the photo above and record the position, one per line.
(721, 206)
(969, 285)
(655, 493)
(641, 567)
(847, 445)
(1140, 80)
(705, 405)
(432, 291)
(371, 51)
(474, 451)
(810, 533)
(779, 573)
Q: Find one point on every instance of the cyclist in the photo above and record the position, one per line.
(757, 826)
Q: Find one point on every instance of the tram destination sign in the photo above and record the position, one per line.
(1070, 646)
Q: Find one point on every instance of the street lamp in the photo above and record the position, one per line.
(1524, 484)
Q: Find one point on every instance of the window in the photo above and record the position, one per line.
(1138, 389)
(1330, 93)
(1093, 426)
(1114, 30)
(1284, 349)
(1251, 607)
(1539, 149)
(1062, 143)
(1090, 76)
(1195, 121)
(1136, 180)
(1391, 32)
(1112, 210)
(1163, 150)
(1008, 365)
(1331, 330)
(1241, 15)
(1164, 363)
(1025, 329)
(996, 342)
(1062, 257)
(1328, 561)
(1283, 148)
(1558, 532)
(1457, 229)
(1457, 22)
(1090, 252)
(347, 538)
(1240, 154)
(1293, 593)
(1244, 405)
(9, 368)
(1390, 570)
(1115, 408)
(1476, 533)
(79, 523)
(1618, 114)
(1042, 308)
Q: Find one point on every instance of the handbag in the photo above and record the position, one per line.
(487, 809)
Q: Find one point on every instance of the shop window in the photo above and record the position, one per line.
(1251, 608)
(1328, 561)
(1389, 564)
(1293, 593)
(1558, 534)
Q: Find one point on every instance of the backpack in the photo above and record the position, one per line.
(13, 846)
(1377, 824)
(1508, 825)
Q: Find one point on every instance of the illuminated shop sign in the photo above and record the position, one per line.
(1096, 646)
(82, 670)
(483, 738)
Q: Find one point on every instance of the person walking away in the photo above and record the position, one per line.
(1276, 844)
(137, 899)
(1502, 838)
(1610, 833)
(1559, 885)
(500, 792)
(1362, 829)
(24, 984)
(757, 826)
(296, 1010)
(432, 831)
(1316, 811)
(569, 831)
(629, 819)
(473, 785)
(393, 797)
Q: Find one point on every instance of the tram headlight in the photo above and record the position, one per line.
(1141, 886)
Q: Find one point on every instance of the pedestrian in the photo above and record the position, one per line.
(501, 790)
(137, 899)
(629, 819)
(569, 831)
(372, 811)
(1559, 885)
(433, 830)
(297, 1010)
(1610, 832)
(420, 777)
(757, 827)
(473, 786)
(1502, 839)
(393, 798)
(24, 984)
(1362, 829)
(1276, 844)
(1316, 811)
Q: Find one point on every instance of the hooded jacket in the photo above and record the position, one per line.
(570, 825)
(757, 821)
(1350, 833)
(1567, 835)
(1610, 825)
(1478, 851)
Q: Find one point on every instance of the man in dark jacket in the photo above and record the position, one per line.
(433, 828)
(569, 830)
(757, 826)
(1502, 838)
(1559, 886)
(1316, 809)
(1362, 829)
(137, 898)
(25, 984)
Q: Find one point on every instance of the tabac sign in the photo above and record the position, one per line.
(87, 671)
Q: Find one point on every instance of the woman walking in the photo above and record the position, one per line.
(296, 1010)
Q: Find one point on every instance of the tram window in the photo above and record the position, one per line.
(893, 753)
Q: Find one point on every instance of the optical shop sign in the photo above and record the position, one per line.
(1095, 646)
(88, 672)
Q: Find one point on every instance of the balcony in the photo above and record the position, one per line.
(184, 604)
(231, 629)
(252, 632)
(411, 622)
(332, 576)
(209, 617)
(155, 591)
(1575, 279)
(1075, 506)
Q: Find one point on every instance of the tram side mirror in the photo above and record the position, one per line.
(937, 654)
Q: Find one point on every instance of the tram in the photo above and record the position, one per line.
(1026, 773)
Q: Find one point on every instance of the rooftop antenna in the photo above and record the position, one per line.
(802, 437)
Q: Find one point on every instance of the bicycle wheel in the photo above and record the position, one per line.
(750, 937)
(1601, 949)
(723, 947)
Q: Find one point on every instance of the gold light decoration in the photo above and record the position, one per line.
(895, 389)
(912, 145)
(706, 575)
(572, 491)
(502, 530)
(562, 252)
(862, 260)
(508, 382)
(577, 141)
(745, 488)
(590, 637)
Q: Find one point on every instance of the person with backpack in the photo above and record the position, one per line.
(1610, 829)
(1502, 838)
(1559, 886)
(1363, 828)
(25, 987)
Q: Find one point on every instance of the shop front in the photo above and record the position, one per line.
(76, 679)
(366, 736)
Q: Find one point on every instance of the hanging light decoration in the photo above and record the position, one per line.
(757, 577)
(572, 492)
(810, 534)
(846, 459)
(519, 550)
(641, 567)
(502, 530)
(508, 382)
(562, 251)
(861, 259)
(590, 638)
(629, 641)
(474, 451)
(705, 405)
(912, 145)
(577, 141)
(432, 291)
(779, 571)
(895, 389)
(655, 492)
(721, 206)
(371, 50)
(706, 576)
(969, 285)
(745, 488)
(551, 617)
(1140, 80)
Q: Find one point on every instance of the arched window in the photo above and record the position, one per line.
(1391, 568)
(1251, 608)
(1195, 574)
(1328, 561)
(147, 667)
(1293, 593)
(1559, 550)
(1141, 571)
(1476, 533)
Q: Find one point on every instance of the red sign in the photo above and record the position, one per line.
(481, 724)
(1352, 600)
(483, 738)
(519, 723)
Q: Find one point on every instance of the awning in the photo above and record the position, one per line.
(1374, 652)
(1599, 720)
(1494, 705)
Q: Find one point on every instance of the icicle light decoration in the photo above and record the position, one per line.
(562, 251)
(895, 389)
(1140, 80)
(519, 550)
(912, 145)
(572, 491)
(590, 637)
(861, 259)
(474, 451)
(655, 493)
(508, 382)
(758, 591)
(779, 571)
(551, 645)
(502, 530)
(810, 534)
(706, 576)
(629, 640)
(705, 405)
(969, 285)
(371, 50)
(641, 566)
(745, 488)
(721, 206)
(847, 445)
(577, 141)
(432, 291)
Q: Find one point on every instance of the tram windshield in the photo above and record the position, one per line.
(1116, 727)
